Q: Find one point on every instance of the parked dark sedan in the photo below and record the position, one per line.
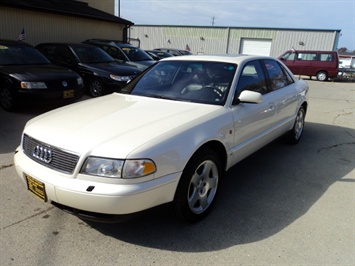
(174, 52)
(101, 73)
(157, 55)
(26, 75)
(124, 52)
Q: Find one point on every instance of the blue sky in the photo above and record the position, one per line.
(303, 14)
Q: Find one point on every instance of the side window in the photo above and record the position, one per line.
(288, 75)
(326, 57)
(289, 56)
(65, 55)
(120, 55)
(252, 78)
(277, 76)
(49, 51)
(115, 53)
(307, 56)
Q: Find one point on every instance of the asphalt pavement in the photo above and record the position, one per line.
(284, 205)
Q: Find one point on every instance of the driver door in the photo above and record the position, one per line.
(252, 122)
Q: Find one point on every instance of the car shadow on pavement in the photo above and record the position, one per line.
(258, 197)
(13, 123)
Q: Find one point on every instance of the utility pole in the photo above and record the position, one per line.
(117, 8)
(213, 19)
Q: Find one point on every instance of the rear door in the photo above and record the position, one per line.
(283, 94)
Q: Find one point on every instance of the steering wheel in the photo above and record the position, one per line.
(213, 89)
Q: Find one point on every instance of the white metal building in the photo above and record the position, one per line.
(232, 40)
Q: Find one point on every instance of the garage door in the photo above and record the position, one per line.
(255, 46)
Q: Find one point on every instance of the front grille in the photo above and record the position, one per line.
(57, 84)
(60, 160)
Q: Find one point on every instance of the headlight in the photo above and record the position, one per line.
(80, 81)
(113, 168)
(33, 85)
(120, 78)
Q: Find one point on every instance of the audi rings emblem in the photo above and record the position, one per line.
(43, 154)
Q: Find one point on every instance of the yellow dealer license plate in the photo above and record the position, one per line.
(36, 187)
(68, 94)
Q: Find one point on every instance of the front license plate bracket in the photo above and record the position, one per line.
(68, 94)
(36, 187)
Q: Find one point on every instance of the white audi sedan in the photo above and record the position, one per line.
(168, 136)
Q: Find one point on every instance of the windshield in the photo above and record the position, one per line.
(190, 81)
(92, 55)
(135, 54)
(21, 55)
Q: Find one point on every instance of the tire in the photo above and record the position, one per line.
(322, 76)
(96, 88)
(198, 187)
(295, 134)
(7, 98)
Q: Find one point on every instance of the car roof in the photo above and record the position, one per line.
(172, 49)
(226, 58)
(68, 44)
(110, 42)
(312, 51)
(157, 51)
(13, 42)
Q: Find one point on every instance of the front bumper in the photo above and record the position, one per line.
(47, 95)
(96, 197)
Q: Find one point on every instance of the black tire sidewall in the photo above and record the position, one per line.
(320, 73)
(181, 206)
(292, 139)
(90, 87)
(13, 101)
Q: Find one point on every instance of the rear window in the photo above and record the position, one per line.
(326, 57)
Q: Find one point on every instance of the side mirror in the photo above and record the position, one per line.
(249, 97)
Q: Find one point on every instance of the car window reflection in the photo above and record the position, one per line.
(200, 82)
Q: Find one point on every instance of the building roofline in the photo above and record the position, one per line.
(235, 27)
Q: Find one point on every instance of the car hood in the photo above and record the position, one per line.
(113, 68)
(113, 125)
(37, 72)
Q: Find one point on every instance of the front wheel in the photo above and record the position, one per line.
(322, 76)
(7, 98)
(96, 88)
(295, 134)
(198, 186)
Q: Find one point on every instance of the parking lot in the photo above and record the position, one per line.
(284, 205)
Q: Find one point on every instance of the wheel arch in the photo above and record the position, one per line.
(305, 106)
(7, 81)
(187, 208)
(217, 147)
